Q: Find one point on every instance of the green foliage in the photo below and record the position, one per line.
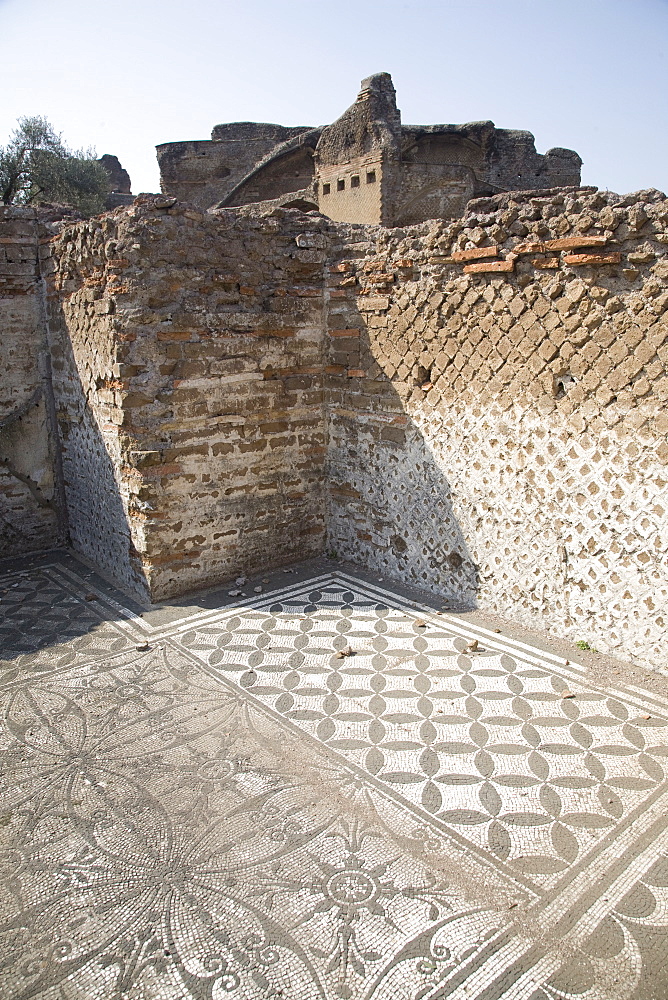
(37, 167)
(583, 644)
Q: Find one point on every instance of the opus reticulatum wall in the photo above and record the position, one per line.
(497, 410)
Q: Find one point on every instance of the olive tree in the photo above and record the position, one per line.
(36, 167)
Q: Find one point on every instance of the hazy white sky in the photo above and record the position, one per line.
(124, 75)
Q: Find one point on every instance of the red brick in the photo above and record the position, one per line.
(546, 263)
(568, 242)
(476, 253)
(593, 258)
(492, 266)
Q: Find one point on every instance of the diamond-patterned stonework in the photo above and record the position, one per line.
(502, 439)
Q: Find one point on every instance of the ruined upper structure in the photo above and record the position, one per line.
(120, 191)
(366, 167)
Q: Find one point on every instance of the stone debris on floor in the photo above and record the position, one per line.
(324, 790)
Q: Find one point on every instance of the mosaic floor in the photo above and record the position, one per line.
(324, 790)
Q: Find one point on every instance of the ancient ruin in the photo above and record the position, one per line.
(351, 433)
(366, 167)
(190, 394)
(120, 192)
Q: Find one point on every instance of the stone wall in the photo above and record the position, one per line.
(189, 386)
(86, 341)
(288, 172)
(205, 171)
(419, 171)
(497, 424)
(474, 406)
(30, 514)
(358, 157)
(444, 166)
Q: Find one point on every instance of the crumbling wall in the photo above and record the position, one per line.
(120, 192)
(86, 341)
(30, 516)
(497, 424)
(443, 166)
(189, 392)
(357, 157)
(365, 167)
(204, 171)
(475, 406)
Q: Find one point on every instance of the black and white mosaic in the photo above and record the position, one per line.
(322, 792)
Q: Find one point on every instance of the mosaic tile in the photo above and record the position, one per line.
(482, 741)
(240, 811)
(44, 623)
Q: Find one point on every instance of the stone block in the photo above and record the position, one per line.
(372, 302)
(562, 243)
(311, 241)
(171, 336)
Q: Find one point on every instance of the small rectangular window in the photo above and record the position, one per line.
(340, 185)
(354, 182)
(326, 188)
(371, 177)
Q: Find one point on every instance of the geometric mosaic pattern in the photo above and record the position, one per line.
(241, 810)
(480, 741)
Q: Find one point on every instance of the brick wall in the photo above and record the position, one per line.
(189, 380)
(354, 191)
(30, 518)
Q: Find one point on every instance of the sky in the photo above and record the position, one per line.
(124, 75)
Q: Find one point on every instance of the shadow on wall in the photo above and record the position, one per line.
(29, 516)
(390, 505)
(390, 508)
(30, 502)
(92, 459)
